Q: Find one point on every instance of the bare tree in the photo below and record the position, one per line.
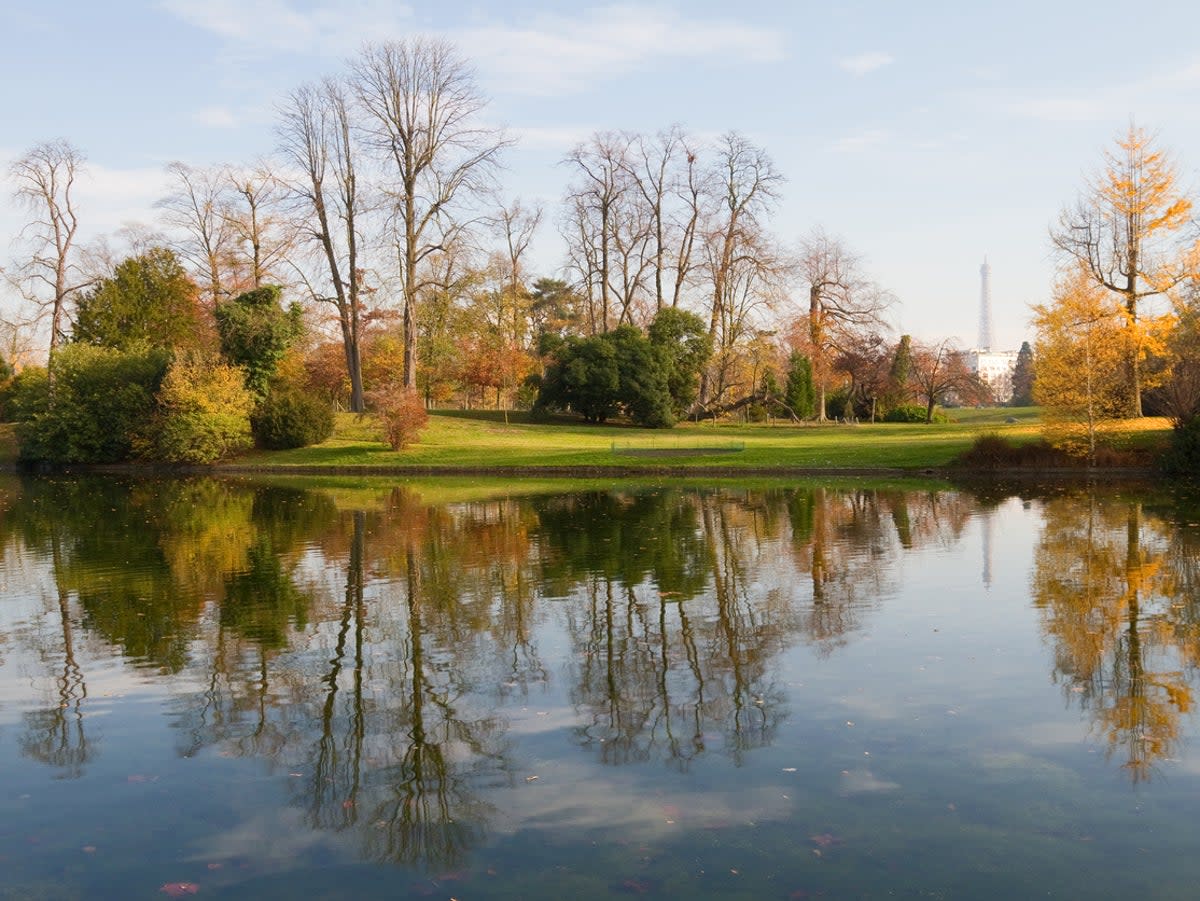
(594, 203)
(262, 235)
(842, 304)
(422, 114)
(747, 183)
(1125, 230)
(45, 178)
(196, 210)
(317, 138)
(515, 226)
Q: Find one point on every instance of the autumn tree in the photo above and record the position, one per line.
(843, 304)
(423, 116)
(1126, 232)
(940, 373)
(318, 140)
(45, 177)
(1082, 379)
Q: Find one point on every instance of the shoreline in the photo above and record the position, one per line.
(947, 473)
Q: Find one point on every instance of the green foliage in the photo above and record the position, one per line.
(203, 414)
(92, 406)
(256, 332)
(27, 394)
(900, 373)
(1182, 457)
(912, 413)
(148, 300)
(685, 346)
(800, 394)
(600, 376)
(288, 417)
(1022, 377)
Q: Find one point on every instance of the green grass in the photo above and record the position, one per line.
(482, 441)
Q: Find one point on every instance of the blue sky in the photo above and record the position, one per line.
(925, 134)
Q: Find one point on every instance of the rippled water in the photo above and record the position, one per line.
(442, 689)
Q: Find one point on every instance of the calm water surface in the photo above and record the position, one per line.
(265, 690)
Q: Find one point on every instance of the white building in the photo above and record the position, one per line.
(995, 369)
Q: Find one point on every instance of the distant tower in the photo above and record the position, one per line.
(985, 306)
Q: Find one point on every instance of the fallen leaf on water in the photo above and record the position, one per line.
(89, 849)
(635, 886)
(825, 840)
(346, 805)
(179, 889)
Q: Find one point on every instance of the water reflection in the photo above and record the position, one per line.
(374, 642)
(1113, 583)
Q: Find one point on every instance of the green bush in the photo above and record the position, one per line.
(912, 413)
(288, 417)
(1182, 457)
(203, 414)
(101, 397)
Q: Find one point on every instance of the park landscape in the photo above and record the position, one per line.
(353, 546)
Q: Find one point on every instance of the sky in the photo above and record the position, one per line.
(926, 135)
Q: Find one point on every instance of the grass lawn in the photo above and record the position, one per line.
(481, 441)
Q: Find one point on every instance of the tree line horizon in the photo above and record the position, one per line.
(382, 214)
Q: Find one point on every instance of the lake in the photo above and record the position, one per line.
(364, 688)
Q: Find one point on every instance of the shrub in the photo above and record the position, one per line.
(1182, 457)
(401, 413)
(203, 414)
(995, 452)
(912, 413)
(100, 400)
(288, 417)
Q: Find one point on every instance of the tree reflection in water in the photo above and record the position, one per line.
(371, 642)
(1112, 583)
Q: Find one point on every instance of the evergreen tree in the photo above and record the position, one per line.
(801, 394)
(256, 332)
(900, 374)
(1022, 377)
(148, 300)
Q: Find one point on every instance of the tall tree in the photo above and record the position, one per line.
(842, 303)
(423, 113)
(45, 177)
(1126, 231)
(317, 139)
(900, 372)
(1081, 350)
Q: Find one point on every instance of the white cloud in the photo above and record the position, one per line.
(328, 28)
(110, 198)
(860, 141)
(548, 54)
(556, 54)
(1163, 90)
(216, 117)
(865, 63)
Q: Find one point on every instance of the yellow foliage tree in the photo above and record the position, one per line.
(1125, 234)
(1081, 350)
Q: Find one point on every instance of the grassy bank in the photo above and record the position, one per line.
(481, 441)
(484, 441)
